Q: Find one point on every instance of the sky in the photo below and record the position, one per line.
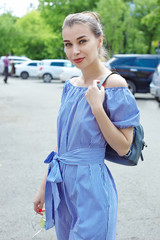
(18, 7)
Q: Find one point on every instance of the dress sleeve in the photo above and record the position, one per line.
(120, 105)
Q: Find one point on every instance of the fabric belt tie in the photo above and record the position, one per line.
(83, 156)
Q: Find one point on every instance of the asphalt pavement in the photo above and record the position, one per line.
(28, 112)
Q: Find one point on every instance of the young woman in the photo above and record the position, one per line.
(80, 194)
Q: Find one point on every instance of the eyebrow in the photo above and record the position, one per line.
(77, 38)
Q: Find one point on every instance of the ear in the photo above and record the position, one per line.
(100, 41)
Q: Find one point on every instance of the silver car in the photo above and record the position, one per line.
(155, 84)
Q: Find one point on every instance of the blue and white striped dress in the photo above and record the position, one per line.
(81, 198)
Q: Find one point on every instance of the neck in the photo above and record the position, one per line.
(94, 72)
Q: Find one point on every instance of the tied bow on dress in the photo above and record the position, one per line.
(83, 156)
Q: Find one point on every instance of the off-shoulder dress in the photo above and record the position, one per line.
(81, 198)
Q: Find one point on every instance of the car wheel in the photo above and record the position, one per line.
(131, 87)
(24, 75)
(47, 77)
(157, 99)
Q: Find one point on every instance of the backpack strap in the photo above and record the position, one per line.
(104, 79)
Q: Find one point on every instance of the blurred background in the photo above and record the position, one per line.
(33, 28)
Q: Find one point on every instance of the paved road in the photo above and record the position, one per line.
(28, 110)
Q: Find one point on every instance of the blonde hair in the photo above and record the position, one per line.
(91, 19)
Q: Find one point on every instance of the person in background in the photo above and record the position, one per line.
(79, 191)
(6, 65)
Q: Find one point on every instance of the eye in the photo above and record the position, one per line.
(82, 41)
(67, 44)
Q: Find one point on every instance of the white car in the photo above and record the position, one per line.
(155, 84)
(52, 68)
(13, 60)
(28, 69)
(68, 73)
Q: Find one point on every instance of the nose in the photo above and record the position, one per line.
(76, 50)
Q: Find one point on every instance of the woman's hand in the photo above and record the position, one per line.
(39, 201)
(95, 96)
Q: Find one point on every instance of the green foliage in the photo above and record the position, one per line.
(129, 27)
(8, 33)
(146, 21)
(113, 17)
(36, 39)
(54, 12)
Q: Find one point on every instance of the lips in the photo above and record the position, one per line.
(78, 60)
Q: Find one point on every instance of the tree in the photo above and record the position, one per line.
(8, 33)
(146, 21)
(151, 23)
(113, 13)
(36, 39)
(130, 26)
(54, 12)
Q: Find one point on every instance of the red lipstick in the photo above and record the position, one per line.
(78, 60)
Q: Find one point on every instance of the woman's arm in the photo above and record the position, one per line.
(39, 198)
(119, 139)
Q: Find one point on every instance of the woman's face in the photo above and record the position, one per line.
(81, 46)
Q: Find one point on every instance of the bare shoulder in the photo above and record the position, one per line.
(115, 80)
(74, 80)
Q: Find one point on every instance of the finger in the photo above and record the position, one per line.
(102, 88)
(40, 211)
(95, 82)
(36, 206)
(41, 206)
(36, 209)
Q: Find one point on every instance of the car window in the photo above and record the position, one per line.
(122, 61)
(141, 62)
(57, 64)
(32, 64)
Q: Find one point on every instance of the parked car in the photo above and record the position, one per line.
(28, 69)
(13, 60)
(155, 84)
(68, 73)
(137, 69)
(52, 68)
